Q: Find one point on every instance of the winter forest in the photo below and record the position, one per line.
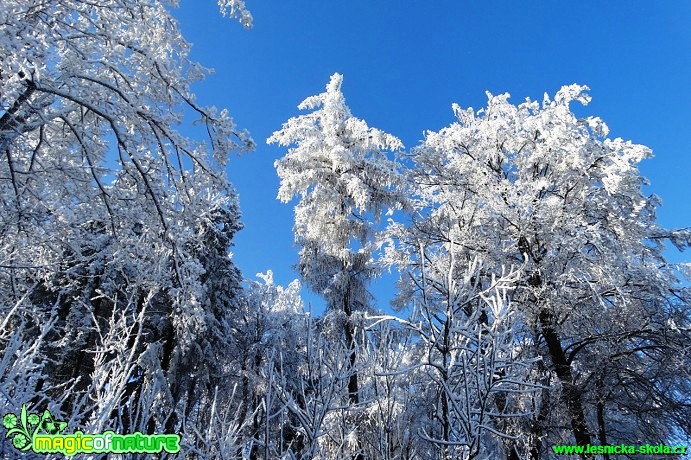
(535, 304)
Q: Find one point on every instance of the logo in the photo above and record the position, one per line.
(44, 435)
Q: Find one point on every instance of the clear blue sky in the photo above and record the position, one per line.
(404, 63)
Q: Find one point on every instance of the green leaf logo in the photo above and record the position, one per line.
(24, 427)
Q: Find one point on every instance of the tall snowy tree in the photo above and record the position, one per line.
(535, 185)
(339, 169)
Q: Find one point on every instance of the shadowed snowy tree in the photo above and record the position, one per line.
(114, 228)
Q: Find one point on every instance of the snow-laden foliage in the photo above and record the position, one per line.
(533, 185)
(535, 304)
(236, 9)
(117, 289)
(542, 310)
(339, 169)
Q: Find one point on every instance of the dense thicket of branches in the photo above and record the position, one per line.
(117, 291)
(535, 305)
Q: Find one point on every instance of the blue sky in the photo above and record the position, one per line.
(404, 63)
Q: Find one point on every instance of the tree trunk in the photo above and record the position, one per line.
(353, 391)
(571, 393)
(600, 408)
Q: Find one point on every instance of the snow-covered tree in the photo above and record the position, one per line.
(114, 228)
(473, 370)
(271, 340)
(339, 169)
(535, 185)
